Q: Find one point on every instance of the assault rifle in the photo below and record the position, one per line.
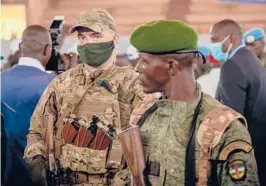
(53, 173)
(134, 154)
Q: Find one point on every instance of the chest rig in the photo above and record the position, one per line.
(85, 139)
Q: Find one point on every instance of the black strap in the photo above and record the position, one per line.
(146, 114)
(213, 178)
(182, 51)
(190, 168)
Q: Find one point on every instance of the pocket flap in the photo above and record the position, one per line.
(83, 159)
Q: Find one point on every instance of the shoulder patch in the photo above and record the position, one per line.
(215, 123)
(235, 145)
(237, 170)
(209, 135)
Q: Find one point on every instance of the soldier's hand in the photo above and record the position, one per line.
(38, 171)
(70, 60)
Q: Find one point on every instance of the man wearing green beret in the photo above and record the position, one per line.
(189, 138)
(84, 107)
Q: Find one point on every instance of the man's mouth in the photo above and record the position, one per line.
(140, 80)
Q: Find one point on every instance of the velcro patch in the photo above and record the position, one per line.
(235, 145)
(237, 170)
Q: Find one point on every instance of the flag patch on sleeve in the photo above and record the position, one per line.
(237, 170)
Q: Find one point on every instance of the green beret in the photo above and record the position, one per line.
(164, 36)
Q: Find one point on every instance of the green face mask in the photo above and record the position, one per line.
(95, 54)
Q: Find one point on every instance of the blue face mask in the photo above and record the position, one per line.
(217, 51)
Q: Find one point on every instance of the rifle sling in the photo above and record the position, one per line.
(190, 168)
(213, 178)
(146, 114)
(71, 105)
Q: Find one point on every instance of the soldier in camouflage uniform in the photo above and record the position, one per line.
(86, 105)
(201, 68)
(188, 137)
(263, 60)
(255, 41)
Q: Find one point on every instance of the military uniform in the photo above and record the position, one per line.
(263, 60)
(223, 154)
(113, 106)
(165, 137)
(251, 37)
(205, 68)
(86, 109)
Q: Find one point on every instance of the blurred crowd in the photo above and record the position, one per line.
(210, 71)
(127, 55)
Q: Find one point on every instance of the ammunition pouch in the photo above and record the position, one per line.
(122, 178)
(85, 134)
(70, 131)
(81, 178)
(68, 177)
(83, 159)
(90, 146)
(92, 161)
(83, 138)
(101, 140)
(74, 133)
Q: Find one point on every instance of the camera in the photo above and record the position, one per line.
(55, 63)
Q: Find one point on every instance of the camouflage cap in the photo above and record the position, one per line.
(95, 19)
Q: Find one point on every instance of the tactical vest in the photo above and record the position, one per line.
(86, 138)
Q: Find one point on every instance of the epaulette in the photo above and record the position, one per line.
(209, 135)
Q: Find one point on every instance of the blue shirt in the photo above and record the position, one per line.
(236, 50)
(22, 87)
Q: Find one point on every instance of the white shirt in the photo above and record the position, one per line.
(28, 61)
(209, 82)
(14, 45)
(69, 45)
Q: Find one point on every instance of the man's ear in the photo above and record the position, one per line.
(173, 66)
(234, 38)
(116, 40)
(19, 47)
(47, 51)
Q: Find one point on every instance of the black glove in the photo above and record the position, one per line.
(38, 171)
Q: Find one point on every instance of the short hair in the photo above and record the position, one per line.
(34, 39)
(185, 60)
(229, 26)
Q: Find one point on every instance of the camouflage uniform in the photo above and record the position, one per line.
(199, 142)
(86, 108)
(113, 106)
(253, 38)
(165, 137)
(263, 60)
(202, 70)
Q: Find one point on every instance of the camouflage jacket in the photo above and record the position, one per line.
(202, 70)
(263, 61)
(120, 86)
(165, 136)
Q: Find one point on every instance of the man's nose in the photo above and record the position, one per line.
(138, 68)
